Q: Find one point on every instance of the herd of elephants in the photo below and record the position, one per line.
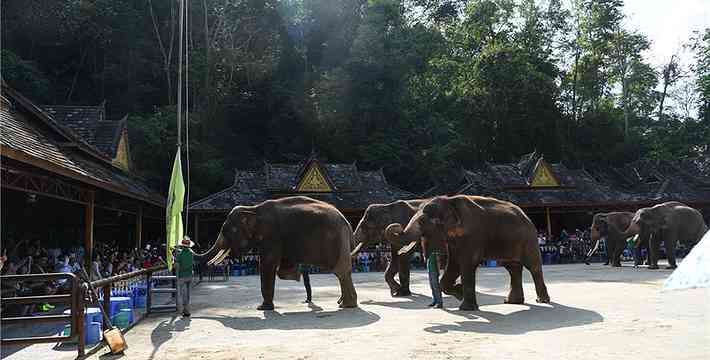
(468, 229)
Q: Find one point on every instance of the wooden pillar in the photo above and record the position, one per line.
(89, 232)
(549, 224)
(139, 227)
(196, 235)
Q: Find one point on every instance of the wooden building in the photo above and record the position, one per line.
(65, 183)
(343, 185)
(556, 196)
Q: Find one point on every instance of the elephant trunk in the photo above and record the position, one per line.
(633, 229)
(216, 253)
(406, 238)
(359, 240)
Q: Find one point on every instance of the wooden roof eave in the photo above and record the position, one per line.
(48, 166)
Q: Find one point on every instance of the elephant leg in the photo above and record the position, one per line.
(670, 252)
(532, 260)
(515, 296)
(268, 279)
(468, 266)
(392, 269)
(403, 290)
(451, 273)
(617, 248)
(348, 296)
(653, 248)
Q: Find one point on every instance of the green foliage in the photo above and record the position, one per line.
(25, 76)
(417, 87)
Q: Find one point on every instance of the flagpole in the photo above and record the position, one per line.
(176, 192)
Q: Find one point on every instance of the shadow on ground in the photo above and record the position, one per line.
(314, 319)
(165, 329)
(533, 318)
(417, 301)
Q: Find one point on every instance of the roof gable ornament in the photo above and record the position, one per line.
(314, 180)
(543, 176)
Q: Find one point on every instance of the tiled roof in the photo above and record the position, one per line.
(362, 188)
(90, 123)
(27, 130)
(638, 182)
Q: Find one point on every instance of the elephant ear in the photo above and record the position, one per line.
(248, 221)
(459, 208)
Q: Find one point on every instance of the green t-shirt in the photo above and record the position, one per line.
(185, 259)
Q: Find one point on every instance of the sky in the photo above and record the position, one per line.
(668, 24)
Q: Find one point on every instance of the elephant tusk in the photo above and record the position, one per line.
(212, 261)
(407, 248)
(356, 250)
(221, 257)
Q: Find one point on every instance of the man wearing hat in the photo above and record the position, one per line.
(184, 260)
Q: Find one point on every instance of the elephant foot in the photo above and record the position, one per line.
(616, 265)
(265, 306)
(606, 263)
(653, 267)
(468, 306)
(671, 267)
(345, 304)
(402, 292)
(586, 261)
(543, 300)
(457, 294)
(514, 300)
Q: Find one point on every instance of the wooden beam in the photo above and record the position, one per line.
(89, 231)
(549, 225)
(54, 168)
(139, 227)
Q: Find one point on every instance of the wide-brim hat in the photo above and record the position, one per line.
(186, 242)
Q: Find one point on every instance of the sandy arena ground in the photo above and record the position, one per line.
(597, 313)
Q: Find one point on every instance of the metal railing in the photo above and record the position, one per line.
(76, 301)
(74, 298)
(105, 287)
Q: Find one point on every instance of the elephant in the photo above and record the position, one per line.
(371, 229)
(669, 222)
(290, 231)
(613, 226)
(474, 228)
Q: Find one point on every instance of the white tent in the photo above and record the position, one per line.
(694, 270)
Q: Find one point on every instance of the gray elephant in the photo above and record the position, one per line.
(471, 229)
(611, 226)
(669, 222)
(290, 231)
(370, 230)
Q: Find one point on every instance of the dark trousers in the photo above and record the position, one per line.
(307, 285)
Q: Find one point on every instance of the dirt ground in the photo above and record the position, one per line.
(597, 312)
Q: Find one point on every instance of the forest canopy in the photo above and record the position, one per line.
(416, 87)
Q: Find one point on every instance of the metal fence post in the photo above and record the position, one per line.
(149, 293)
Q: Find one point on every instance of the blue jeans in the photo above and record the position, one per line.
(435, 287)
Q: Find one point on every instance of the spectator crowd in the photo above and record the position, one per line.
(30, 257)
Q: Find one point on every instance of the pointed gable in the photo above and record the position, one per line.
(314, 180)
(543, 176)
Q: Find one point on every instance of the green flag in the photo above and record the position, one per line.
(173, 211)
